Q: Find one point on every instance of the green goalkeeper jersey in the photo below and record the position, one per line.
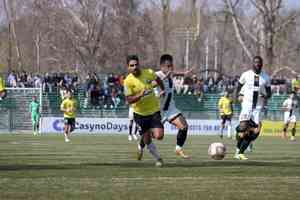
(34, 108)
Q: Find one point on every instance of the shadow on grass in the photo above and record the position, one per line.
(147, 164)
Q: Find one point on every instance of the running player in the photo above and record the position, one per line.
(289, 107)
(138, 89)
(167, 105)
(131, 124)
(69, 107)
(34, 109)
(226, 111)
(256, 87)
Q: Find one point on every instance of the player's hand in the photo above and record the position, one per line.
(168, 74)
(154, 83)
(162, 93)
(240, 98)
(146, 92)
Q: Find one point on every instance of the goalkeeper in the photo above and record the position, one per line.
(35, 114)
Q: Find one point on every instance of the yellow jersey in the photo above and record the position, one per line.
(295, 85)
(225, 106)
(133, 85)
(70, 104)
(2, 84)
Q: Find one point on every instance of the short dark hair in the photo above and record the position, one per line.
(259, 58)
(166, 57)
(132, 57)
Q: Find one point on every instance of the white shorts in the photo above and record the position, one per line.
(288, 118)
(130, 113)
(249, 113)
(169, 114)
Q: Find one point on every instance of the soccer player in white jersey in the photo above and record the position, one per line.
(289, 106)
(256, 88)
(131, 125)
(167, 105)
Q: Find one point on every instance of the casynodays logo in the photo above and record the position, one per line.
(58, 125)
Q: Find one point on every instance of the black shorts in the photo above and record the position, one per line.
(148, 122)
(226, 118)
(69, 121)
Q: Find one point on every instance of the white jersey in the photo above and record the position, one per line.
(290, 105)
(167, 103)
(254, 87)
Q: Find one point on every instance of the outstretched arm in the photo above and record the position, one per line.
(184, 73)
(237, 91)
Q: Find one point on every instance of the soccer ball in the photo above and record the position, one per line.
(217, 150)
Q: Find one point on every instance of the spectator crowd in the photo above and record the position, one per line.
(107, 90)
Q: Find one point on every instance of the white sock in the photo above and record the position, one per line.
(152, 149)
(237, 151)
(229, 130)
(178, 148)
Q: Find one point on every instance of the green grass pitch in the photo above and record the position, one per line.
(104, 167)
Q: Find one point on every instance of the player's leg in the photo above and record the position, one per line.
(130, 129)
(181, 124)
(293, 130)
(38, 123)
(33, 121)
(136, 128)
(2, 94)
(255, 125)
(67, 128)
(223, 121)
(229, 126)
(149, 126)
(285, 125)
(242, 141)
(157, 129)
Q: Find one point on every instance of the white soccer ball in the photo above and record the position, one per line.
(217, 150)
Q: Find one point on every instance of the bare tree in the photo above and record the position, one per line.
(269, 23)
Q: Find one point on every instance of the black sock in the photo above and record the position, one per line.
(181, 137)
(293, 132)
(142, 143)
(136, 129)
(239, 141)
(130, 129)
(244, 145)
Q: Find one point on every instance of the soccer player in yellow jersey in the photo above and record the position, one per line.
(69, 107)
(138, 89)
(2, 89)
(226, 111)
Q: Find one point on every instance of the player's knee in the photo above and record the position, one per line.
(253, 135)
(158, 134)
(159, 137)
(242, 128)
(3, 94)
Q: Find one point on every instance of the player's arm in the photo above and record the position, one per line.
(268, 93)
(237, 91)
(132, 97)
(161, 86)
(63, 107)
(135, 98)
(184, 73)
(220, 105)
(284, 106)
